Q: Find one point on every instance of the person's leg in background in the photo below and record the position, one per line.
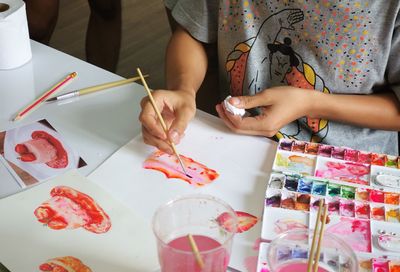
(42, 18)
(103, 37)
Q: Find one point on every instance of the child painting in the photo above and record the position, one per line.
(323, 71)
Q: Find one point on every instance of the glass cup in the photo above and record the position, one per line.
(289, 252)
(208, 220)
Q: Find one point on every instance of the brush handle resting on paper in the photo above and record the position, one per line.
(93, 89)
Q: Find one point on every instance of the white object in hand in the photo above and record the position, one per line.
(232, 109)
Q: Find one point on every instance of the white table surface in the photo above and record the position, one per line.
(96, 125)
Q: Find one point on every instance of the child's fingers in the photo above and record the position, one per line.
(149, 120)
(178, 126)
(237, 126)
(149, 139)
(252, 101)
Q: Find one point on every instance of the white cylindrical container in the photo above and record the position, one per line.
(15, 47)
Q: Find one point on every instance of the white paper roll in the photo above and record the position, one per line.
(15, 47)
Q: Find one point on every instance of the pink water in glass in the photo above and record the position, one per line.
(178, 256)
(296, 267)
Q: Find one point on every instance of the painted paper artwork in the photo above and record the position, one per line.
(36, 152)
(64, 225)
(169, 165)
(71, 209)
(242, 162)
(64, 264)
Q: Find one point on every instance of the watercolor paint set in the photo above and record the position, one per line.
(362, 190)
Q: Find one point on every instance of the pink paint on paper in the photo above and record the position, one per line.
(43, 148)
(71, 209)
(64, 264)
(169, 165)
(344, 171)
(357, 233)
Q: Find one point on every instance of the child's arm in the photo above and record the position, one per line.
(186, 65)
(282, 105)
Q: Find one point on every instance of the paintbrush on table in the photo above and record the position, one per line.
(161, 119)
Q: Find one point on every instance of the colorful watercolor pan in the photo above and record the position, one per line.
(347, 208)
(338, 153)
(351, 155)
(319, 188)
(305, 185)
(362, 210)
(362, 194)
(333, 206)
(276, 181)
(391, 161)
(347, 192)
(291, 183)
(361, 189)
(311, 148)
(392, 214)
(286, 144)
(303, 202)
(391, 198)
(378, 159)
(377, 196)
(299, 146)
(273, 198)
(378, 212)
(364, 157)
(325, 150)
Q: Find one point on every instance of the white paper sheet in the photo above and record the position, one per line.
(243, 162)
(25, 243)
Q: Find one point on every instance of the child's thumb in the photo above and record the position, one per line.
(248, 102)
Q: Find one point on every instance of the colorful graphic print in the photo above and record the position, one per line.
(337, 32)
(64, 264)
(169, 165)
(71, 209)
(281, 64)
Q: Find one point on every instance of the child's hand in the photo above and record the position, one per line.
(177, 109)
(279, 106)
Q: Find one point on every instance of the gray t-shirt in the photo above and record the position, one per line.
(339, 46)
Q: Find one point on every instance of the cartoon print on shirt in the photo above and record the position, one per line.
(280, 65)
